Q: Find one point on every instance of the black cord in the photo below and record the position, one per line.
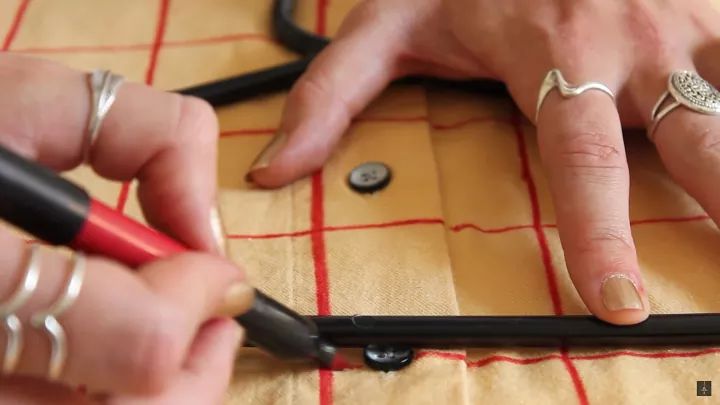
(290, 34)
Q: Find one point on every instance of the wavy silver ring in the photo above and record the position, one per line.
(554, 78)
(687, 89)
(13, 327)
(48, 319)
(103, 88)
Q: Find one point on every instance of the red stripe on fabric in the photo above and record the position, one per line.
(575, 378)
(442, 355)
(545, 251)
(317, 213)
(15, 25)
(421, 118)
(123, 196)
(141, 47)
(249, 132)
(434, 221)
(149, 77)
(248, 36)
(84, 49)
(420, 221)
(269, 131)
(473, 120)
(318, 238)
(321, 17)
(514, 360)
(461, 227)
(669, 220)
(537, 222)
(661, 355)
(157, 42)
(534, 360)
(406, 222)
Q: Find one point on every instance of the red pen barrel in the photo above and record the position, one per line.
(112, 234)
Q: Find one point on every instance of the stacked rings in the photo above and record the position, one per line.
(46, 319)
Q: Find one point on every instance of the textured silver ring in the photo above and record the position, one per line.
(687, 89)
(13, 326)
(48, 321)
(104, 85)
(554, 78)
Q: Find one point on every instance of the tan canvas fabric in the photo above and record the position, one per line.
(465, 227)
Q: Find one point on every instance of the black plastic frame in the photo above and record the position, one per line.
(516, 331)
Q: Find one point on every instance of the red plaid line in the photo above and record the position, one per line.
(317, 220)
(163, 8)
(545, 252)
(140, 47)
(451, 356)
(440, 221)
(15, 25)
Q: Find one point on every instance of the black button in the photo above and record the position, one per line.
(369, 177)
(387, 358)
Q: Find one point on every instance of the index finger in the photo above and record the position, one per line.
(166, 141)
(582, 147)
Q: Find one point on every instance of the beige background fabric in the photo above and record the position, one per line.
(465, 227)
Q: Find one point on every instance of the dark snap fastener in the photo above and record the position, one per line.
(387, 358)
(369, 177)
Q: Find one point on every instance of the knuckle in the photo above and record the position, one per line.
(604, 238)
(316, 87)
(195, 119)
(312, 88)
(592, 155)
(154, 350)
(648, 31)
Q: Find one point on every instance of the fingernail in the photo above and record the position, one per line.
(238, 299)
(619, 293)
(268, 153)
(218, 231)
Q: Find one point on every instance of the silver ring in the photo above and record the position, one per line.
(13, 326)
(554, 78)
(687, 89)
(103, 88)
(48, 319)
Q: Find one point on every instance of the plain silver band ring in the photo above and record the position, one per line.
(554, 78)
(103, 88)
(48, 319)
(13, 326)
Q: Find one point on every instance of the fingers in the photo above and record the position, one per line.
(126, 333)
(204, 378)
(582, 148)
(166, 141)
(688, 143)
(339, 83)
(207, 371)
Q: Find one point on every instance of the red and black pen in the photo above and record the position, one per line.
(59, 212)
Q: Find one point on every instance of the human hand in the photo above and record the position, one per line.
(632, 47)
(149, 335)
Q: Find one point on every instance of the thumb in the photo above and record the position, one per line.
(338, 84)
